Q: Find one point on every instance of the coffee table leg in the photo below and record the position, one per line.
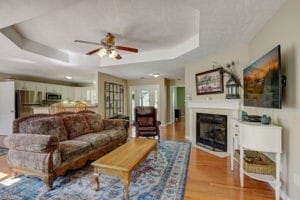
(126, 181)
(96, 178)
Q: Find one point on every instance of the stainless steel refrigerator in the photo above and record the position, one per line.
(26, 100)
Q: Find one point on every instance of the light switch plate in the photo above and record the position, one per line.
(297, 179)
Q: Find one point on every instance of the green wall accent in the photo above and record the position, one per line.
(180, 98)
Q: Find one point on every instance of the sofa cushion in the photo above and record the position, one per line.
(95, 139)
(95, 122)
(114, 134)
(46, 126)
(72, 149)
(76, 125)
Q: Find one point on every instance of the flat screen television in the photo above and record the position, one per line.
(262, 81)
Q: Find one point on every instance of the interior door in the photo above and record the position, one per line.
(7, 107)
(144, 95)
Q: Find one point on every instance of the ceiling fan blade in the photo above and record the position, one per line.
(118, 57)
(92, 52)
(87, 42)
(127, 49)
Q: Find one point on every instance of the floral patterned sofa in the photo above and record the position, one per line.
(47, 145)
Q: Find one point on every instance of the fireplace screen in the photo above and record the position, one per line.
(211, 131)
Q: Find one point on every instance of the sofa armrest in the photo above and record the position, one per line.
(32, 142)
(115, 124)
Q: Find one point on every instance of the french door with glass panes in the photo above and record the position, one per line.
(143, 95)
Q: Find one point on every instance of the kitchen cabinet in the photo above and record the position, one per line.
(85, 94)
(67, 92)
(53, 88)
(41, 87)
(25, 85)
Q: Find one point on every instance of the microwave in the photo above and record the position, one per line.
(53, 96)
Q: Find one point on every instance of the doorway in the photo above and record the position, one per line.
(177, 103)
(143, 95)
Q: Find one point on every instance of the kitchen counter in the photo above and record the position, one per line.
(69, 107)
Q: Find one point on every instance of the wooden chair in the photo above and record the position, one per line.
(80, 107)
(56, 108)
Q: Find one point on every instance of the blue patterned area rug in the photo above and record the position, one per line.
(164, 178)
(3, 151)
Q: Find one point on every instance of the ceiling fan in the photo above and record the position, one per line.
(108, 47)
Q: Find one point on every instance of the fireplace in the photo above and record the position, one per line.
(211, 131)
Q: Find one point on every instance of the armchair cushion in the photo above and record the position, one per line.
(148, 128)
(146, 121)
(76, 125)
(32, 142)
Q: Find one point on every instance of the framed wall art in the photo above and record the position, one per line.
(210, 82)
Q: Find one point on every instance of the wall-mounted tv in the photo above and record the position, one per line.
(262, 81)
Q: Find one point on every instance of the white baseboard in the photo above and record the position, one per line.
(188, 138)
(282, 194)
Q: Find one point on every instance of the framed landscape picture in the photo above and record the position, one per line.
(209, 82)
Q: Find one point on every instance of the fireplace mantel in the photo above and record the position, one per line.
(231, 105)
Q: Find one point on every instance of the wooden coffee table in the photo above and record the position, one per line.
(123, 160)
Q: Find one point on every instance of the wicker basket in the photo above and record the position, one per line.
(267, 168)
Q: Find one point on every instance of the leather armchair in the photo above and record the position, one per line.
(145, 122)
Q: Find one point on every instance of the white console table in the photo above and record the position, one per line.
(257, 137)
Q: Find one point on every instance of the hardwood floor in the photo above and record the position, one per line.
(209, 177)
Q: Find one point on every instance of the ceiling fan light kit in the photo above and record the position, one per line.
(155, 75)
(108, 47)
(102, 52)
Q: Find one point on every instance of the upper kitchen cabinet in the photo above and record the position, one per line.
(53, 88)
(67, 92)
(25, 85)
(85, 94)
(41, 87)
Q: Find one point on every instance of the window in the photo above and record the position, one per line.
(145, 98)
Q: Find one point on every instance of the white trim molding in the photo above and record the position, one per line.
(231, 104)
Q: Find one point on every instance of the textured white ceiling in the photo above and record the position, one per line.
(155, 27)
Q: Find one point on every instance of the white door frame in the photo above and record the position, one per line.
(7, 104)
(138, 89)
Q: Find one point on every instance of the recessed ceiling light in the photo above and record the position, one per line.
(155, 75)
(68, 77)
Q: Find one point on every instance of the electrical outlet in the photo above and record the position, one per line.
(297, 179)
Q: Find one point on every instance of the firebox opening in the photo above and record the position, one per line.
(211, 131)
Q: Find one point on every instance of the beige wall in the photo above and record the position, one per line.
(100, 79)
(238, 54)
(283, 28)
